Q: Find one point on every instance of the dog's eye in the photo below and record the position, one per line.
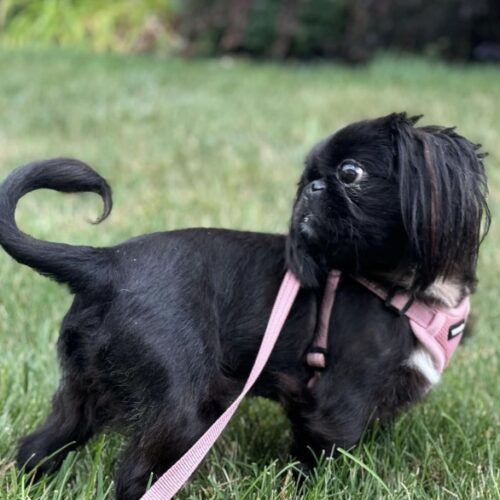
(349, 173)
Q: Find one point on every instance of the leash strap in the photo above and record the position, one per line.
(175, 477)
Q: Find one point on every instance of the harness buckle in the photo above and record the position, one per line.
(316, 358)
(399, 311)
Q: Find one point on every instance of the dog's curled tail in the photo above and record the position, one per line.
(80, 267)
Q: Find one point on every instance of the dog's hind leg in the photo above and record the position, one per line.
(70, 424)
(144, 460)
(152, 451)
(134, 471)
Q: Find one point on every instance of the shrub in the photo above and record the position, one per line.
(123, 26)
(442, 28)
(276, 28)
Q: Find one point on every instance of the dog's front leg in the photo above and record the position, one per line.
(336, 419)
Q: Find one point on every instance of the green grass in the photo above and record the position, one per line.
(220, 143)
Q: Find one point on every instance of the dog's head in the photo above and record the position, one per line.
(384, 198)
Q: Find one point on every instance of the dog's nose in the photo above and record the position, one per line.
(317, 185)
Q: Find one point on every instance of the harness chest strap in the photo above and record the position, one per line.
(316, 357)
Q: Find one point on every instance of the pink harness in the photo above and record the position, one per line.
(438, 329)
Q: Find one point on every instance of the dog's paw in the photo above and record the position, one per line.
(35, 457)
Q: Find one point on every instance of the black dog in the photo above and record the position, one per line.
(164, 328)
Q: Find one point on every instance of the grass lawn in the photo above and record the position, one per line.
(221, 143)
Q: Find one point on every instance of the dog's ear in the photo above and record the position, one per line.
(442, 185)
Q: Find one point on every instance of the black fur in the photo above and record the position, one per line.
(164, 328)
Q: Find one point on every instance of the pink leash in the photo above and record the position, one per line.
(173, 480)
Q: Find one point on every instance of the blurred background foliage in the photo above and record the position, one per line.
(100, 25)
(350, 30)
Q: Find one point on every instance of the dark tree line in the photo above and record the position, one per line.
(351, 30)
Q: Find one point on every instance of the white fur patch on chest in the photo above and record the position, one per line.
(448, 292)
(422, 361)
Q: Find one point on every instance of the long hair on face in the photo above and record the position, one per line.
(443, 190)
